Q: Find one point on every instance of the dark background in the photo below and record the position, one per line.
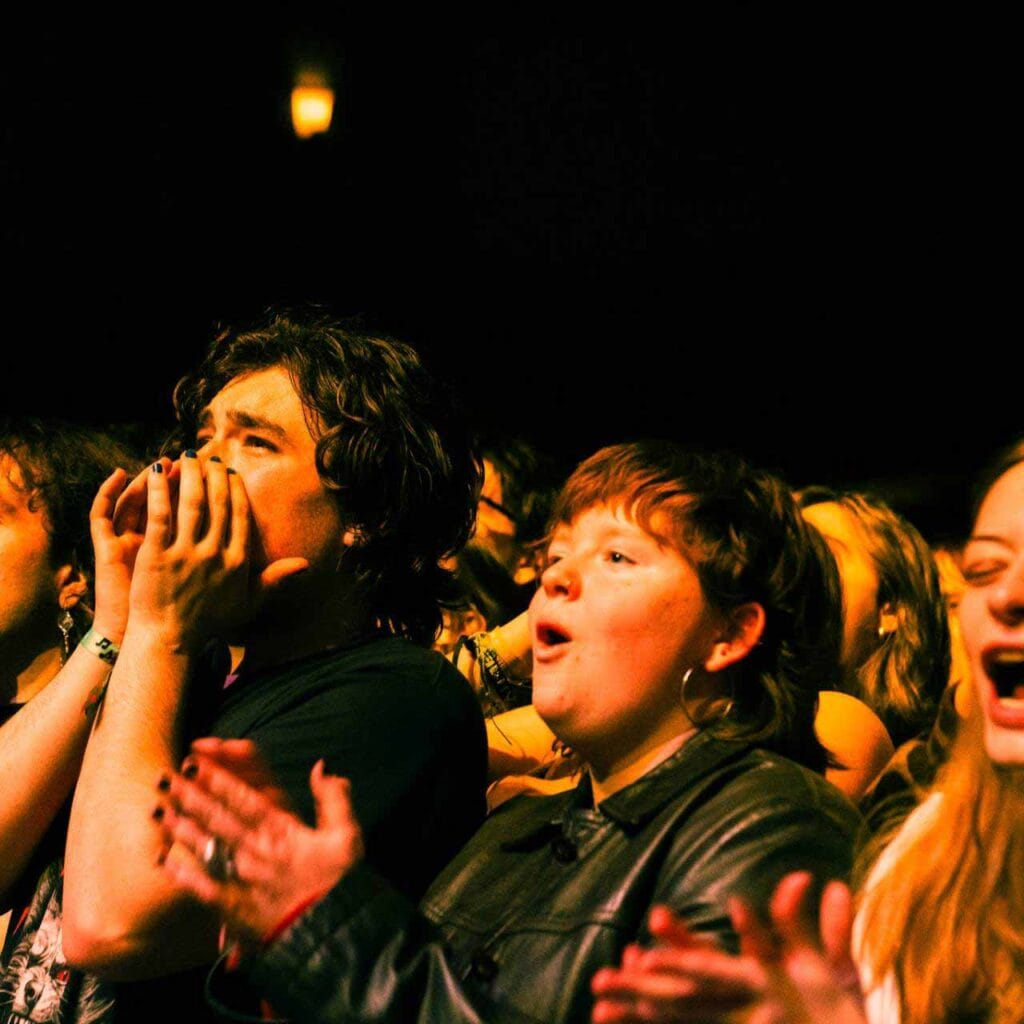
(784, 233)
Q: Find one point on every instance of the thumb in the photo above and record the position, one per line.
(331, 795)
(280, 570)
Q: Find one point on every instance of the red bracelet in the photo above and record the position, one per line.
(289, 918)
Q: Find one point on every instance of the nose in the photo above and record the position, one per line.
(214, 447)
(1006, 598)
(561, 578)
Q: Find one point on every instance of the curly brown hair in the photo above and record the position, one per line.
(391, 446)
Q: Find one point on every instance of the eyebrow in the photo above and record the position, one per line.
(990, 537)
(248, 420)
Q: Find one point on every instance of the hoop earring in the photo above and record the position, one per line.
(682, 687)
(684, 701)
(66, 625)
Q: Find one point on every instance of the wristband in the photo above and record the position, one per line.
(104, 649)
(290, 918)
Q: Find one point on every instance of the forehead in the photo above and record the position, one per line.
(17, 506)
(13, 496)
(600, 517)
(262, 395)
(1002, 511)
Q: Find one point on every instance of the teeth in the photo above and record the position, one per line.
(1009, 658)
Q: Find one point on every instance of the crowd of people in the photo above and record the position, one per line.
(329, 711)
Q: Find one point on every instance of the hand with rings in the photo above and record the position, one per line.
(236, 849)
(218, 860)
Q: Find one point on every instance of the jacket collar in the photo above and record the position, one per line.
(685, 774)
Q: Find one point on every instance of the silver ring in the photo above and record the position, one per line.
(218, 860)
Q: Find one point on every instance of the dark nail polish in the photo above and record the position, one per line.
(190, 453)
(158, 813)
(164, 784)
(158, 467)
(190, 769)
(231, 472)
(215, 458)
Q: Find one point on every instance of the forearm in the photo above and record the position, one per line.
(121, 918)
(41, 751)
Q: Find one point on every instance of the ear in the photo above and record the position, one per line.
(72, 586)
(888, 620)
(744, 628)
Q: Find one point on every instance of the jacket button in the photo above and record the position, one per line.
(483, 967)
(564, 851)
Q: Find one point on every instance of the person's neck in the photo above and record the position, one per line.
(336, 624)
(609, 780)
(22, 678)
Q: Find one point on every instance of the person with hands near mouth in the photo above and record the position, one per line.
(677, 648)
(327, 478)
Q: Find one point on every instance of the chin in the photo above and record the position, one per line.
(1005, 747)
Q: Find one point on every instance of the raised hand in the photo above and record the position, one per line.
(683, 978)
(268, 862)
(782, 975)
(117, 522)
(193, 578)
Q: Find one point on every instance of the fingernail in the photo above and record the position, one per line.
(231, 472)
(158, 813)
(190, 453)
(215, 458)
(158, 467)
(190, 769)
(164, 785)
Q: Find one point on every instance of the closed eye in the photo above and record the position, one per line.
(981, 573)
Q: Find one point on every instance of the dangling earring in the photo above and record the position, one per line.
(66, 625)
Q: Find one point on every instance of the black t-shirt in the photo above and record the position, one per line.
(398, 721)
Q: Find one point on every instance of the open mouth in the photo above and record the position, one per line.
(551, 636)
(1005, 668)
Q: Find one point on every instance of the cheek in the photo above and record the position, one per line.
(971, 615)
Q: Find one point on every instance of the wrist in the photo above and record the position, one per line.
(284, 923)
(107, 627)
(103, 646)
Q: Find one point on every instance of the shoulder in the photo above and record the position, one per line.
(764, 779)
(762, 814)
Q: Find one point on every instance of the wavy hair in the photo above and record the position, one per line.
(743, 533)
(945, 917)
(61, 467)
(904, 677)
(391, 446)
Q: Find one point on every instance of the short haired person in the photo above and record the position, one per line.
(675, 650)
(326, 477)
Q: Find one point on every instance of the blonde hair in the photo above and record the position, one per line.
(947, 917)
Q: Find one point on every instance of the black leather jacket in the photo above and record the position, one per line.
(549, 890)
